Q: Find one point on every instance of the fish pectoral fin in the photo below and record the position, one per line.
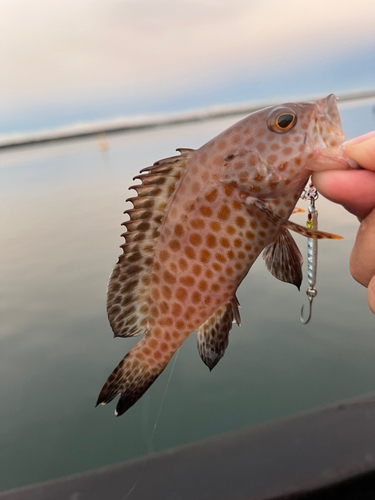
(287, 224)
(283, 259)
(298, 210)
(213, 334)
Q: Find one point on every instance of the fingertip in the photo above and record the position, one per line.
(371, 295)
(362, 150)
(332, 184)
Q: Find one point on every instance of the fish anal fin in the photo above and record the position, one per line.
(213, 334)
(283, 259)
(128, 288)
(287, 224)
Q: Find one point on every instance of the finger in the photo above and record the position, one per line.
(362, 150)
(371, 294)
(354, 189)
(362, 259)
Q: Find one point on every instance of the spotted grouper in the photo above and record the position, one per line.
(199, 222)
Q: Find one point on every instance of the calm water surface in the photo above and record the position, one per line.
(62, 209)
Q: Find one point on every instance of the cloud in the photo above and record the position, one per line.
(67, 50)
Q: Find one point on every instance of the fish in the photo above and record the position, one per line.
(199, 221)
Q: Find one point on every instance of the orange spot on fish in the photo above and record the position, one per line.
(228, 190)
(205, 256)
(169, 277)
(183, 265)
(164, 255)
(211, 196)
(195, 239)
(174, 245)
(240, 221)
(197, 223)
(153, 343)
(224, 212)
(190, 253)
(211, 241)
(179, 230)
(164, 307)
(220, 257)
(224, 242)
(206, 211)
(166, 292)
(197, 269)
(181, 294)
(231, 254)
(176, 309)
(187, 280)
(215, 226)
(209, 273)
(271, 159)
(203, 285)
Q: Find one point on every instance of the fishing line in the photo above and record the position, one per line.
(150, 447)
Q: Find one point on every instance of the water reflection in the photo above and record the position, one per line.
(62, 207)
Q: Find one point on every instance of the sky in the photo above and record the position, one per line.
(69, 61)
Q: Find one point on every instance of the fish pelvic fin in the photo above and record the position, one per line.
(131, 378)
(127, 293)
(283, 258)
(213, 334)
(287, 224)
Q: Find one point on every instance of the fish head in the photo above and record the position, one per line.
(283, 145)
(314, 129)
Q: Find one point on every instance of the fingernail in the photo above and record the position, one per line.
(359, 140)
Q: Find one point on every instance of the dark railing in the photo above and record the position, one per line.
(323, 454)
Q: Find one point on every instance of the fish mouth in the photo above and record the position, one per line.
(327, 137)
(328, 122)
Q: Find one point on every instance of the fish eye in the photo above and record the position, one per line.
(280, 121)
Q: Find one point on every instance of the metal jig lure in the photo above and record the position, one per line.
(311, 194)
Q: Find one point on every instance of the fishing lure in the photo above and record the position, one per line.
(311, 194)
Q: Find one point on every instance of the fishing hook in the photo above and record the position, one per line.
(311, 293)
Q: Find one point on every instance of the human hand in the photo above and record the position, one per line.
(355, 190)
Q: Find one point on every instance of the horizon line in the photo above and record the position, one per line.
(143, 122)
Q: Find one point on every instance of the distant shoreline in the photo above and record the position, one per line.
(129, 124)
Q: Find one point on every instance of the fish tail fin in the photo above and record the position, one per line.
(131, 378)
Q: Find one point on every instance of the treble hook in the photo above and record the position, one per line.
(311, 293)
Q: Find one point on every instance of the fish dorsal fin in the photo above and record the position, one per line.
(283, 259)
(127, 295)
(213, 334)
